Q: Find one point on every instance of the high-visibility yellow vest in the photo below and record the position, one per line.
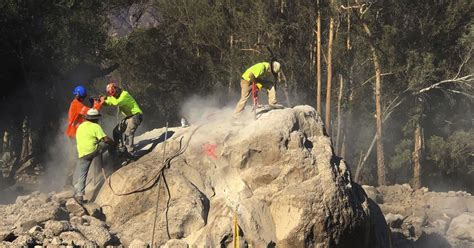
(258, 70)
(127, 105)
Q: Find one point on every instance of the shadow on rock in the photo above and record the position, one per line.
(432, 240)
(376, 232)
(154, 142)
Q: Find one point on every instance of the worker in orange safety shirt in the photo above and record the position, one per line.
(77, 111)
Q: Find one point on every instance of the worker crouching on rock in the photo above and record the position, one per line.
(91, 143)
(257, 74)
(124, 132)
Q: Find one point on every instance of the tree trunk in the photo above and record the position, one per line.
(378, 109)
(348, 84)
(16, 146)
(343, 146)
(231, 45)
(329, 77)
(339, 118)
(26, 145)
(282, 78)
(1, 145)
(361, 164)
(389, 111)
(6, 141)
(318, 62)
(348, 40)
(417, 157)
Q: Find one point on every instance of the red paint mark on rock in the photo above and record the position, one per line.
(210, 150)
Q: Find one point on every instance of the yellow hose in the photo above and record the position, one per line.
(236, 231)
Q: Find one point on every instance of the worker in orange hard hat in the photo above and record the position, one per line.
(124, 132)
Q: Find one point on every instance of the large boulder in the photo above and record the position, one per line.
(63, 196)
(462, 227)
(276, 178)
(98, 234)
(75, 208)
(53, 228)
(75, 238)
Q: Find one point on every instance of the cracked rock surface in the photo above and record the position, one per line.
(277, 174)
(275, 178)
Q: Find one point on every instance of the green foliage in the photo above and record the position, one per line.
(403, 154)
(54, 36)
(151, 65)
(44, 46)
(202, 47)
(454, 154)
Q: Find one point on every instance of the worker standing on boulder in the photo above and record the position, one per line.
(77, 110)
(257, 74)
(91, 143)
(124, 132)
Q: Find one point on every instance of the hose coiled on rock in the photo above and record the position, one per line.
(165, 165)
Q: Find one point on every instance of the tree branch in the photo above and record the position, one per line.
(460, 92)
(461, 80)
(383, 74)
(464, 61)
(251, 50)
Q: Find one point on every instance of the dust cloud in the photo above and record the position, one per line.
(197, 109)
(61, 154)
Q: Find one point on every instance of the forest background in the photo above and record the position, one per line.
(393, 80)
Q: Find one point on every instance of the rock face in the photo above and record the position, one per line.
(277, 176)
(420, 218)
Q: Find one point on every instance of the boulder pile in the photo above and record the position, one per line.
(420, 218)
(53, 219)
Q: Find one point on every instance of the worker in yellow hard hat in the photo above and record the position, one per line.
(258, 73)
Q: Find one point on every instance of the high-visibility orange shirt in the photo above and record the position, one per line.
(76, 110)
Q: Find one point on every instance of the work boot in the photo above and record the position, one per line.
(121, 150)
(276, 106)
(130, 149)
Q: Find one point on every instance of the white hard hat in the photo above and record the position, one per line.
(92, 114)
(276, 66)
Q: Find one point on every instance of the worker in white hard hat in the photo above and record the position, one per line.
(91, 143)
(258, 74)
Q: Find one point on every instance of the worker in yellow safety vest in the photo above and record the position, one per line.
(91, 143)
(258, 73)
(124, 132)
